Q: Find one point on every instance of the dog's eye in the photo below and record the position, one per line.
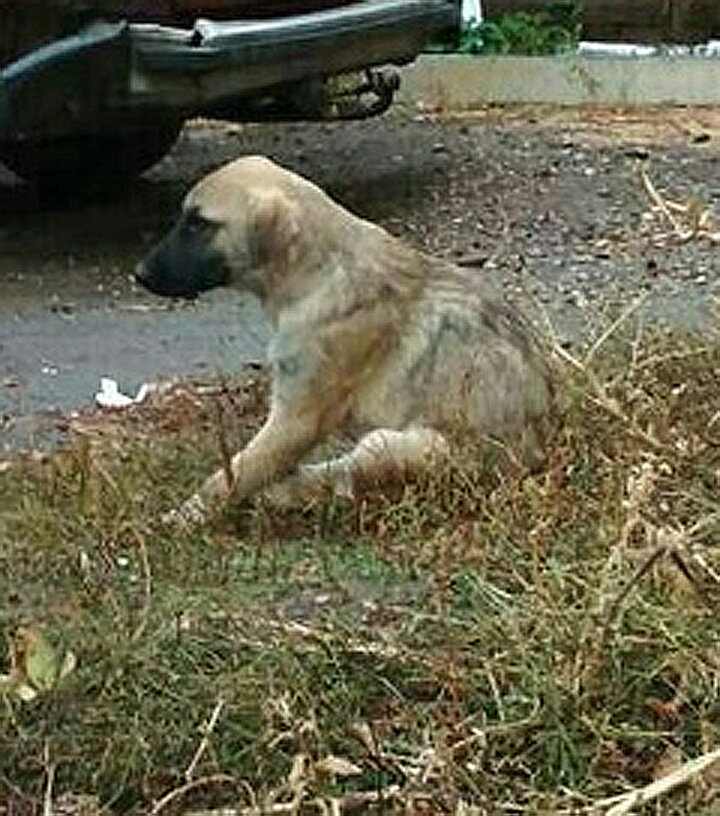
(194, 222)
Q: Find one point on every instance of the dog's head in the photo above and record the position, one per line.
(239, 227)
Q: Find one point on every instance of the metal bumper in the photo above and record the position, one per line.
(111, 70)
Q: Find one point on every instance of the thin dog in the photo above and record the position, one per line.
(368, 334)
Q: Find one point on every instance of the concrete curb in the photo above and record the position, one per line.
(455, 81)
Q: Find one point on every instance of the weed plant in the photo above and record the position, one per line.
(473, 642)
(553, 30)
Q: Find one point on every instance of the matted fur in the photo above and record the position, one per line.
(368, 334)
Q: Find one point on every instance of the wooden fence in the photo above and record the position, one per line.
(649, 21)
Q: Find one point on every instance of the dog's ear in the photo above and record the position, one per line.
(276, 226)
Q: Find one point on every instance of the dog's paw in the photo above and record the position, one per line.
(191, 513)
(311, 484)
(288, 494)
(278, 496)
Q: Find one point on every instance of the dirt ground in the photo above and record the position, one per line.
(550, 201)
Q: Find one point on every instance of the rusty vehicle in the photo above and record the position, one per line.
(101, 88)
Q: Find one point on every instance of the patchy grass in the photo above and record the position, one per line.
(531, 642)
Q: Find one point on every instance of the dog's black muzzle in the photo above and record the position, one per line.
(184, 263)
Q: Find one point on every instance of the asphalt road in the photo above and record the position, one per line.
(70, 312)
(548, 201)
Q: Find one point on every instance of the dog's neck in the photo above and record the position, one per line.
(323, 280)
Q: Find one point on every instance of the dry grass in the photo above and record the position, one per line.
(527, 643)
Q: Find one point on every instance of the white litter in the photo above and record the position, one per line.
(110, 397)
(472, 10)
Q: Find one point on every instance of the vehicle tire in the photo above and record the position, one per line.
(76, 161)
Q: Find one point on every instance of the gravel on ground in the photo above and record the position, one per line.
(549, 201)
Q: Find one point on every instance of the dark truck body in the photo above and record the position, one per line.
(80, 80)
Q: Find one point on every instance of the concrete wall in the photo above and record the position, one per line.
(459, 81)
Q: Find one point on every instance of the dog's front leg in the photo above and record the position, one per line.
(276, 449)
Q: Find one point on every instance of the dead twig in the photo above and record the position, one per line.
(350, 803)
(613, 327)
(140, 628)
(603, 400)
(50, 780)
(654, 556)
(225, 452)
(204, 742)
(665, 784)
(361, 799)
(678, 558)
(695, 212)
(176, 793)
(659, 201)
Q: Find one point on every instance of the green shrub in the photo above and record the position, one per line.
(554, 30)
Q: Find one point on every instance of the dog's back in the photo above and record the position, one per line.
(465, 359)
